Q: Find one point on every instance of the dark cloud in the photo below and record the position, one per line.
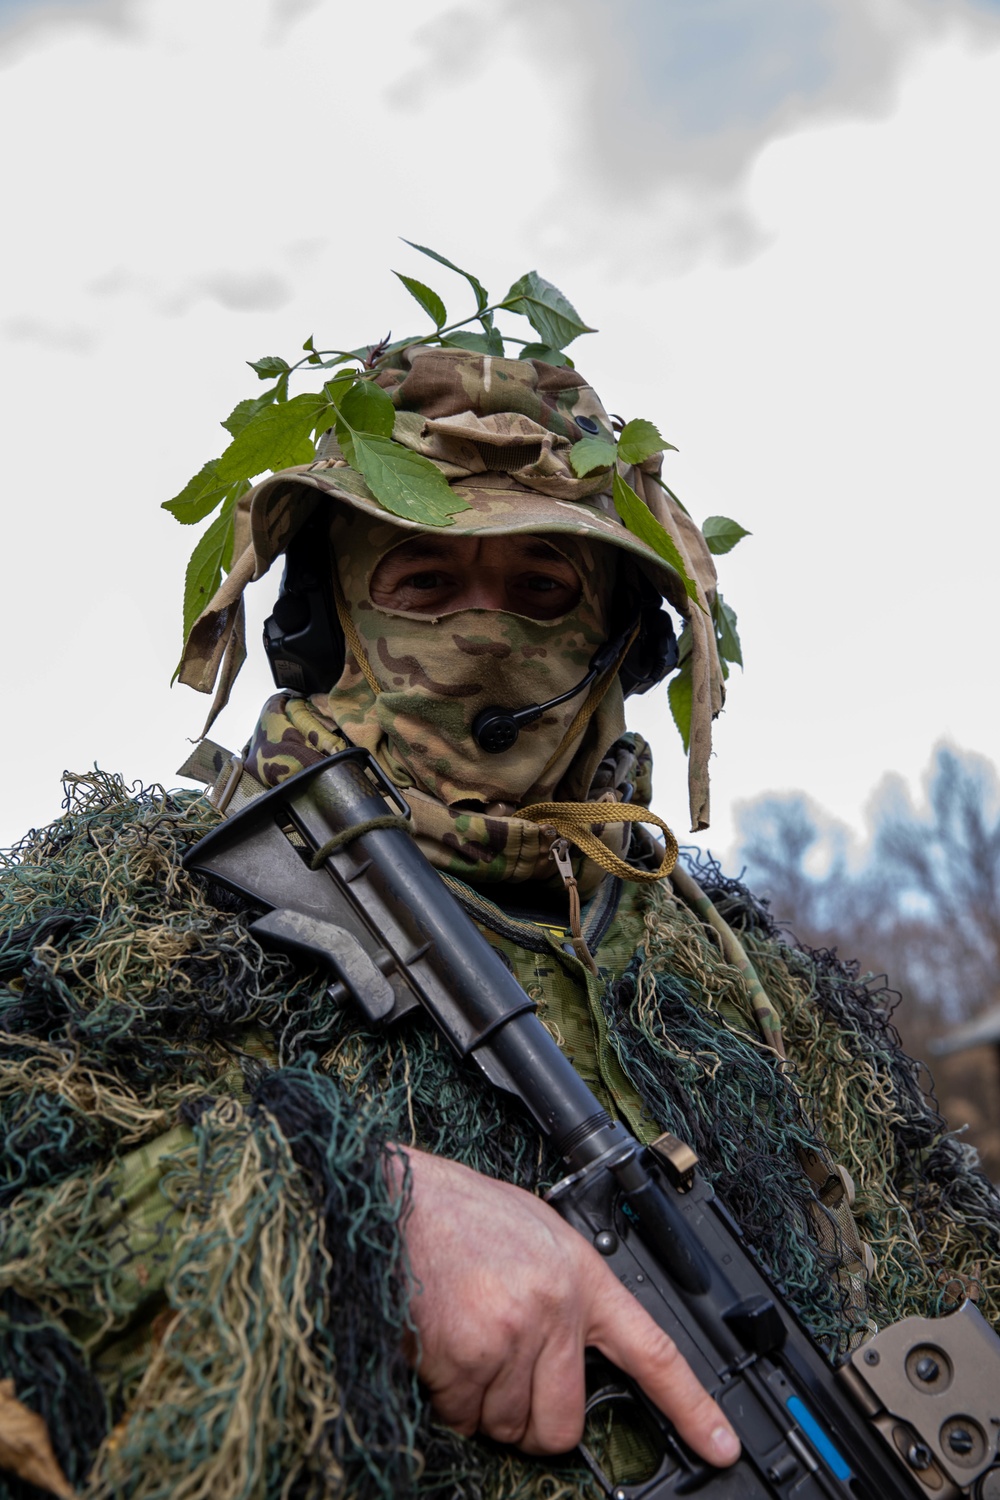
(19, 10)
(237, 291)
(68, 338)
(247, 291)
(699, 85)
(673, 102)
(23, 22)
(244, 290)
(705, 69)
(453, 48)
(286, 14)
(112, 283)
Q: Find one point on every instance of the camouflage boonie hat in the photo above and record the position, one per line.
(500, 430)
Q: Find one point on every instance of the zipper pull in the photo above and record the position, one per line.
(559, 854)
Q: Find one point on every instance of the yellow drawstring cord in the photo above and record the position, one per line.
(575, 820)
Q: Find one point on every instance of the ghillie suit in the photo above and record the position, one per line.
(204, 1282)
(204, 1286)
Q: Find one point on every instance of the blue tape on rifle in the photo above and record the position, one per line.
(833, 1459)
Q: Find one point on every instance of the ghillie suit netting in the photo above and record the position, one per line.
(203, 1288)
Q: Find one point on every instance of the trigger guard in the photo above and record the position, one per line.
(673, 1455)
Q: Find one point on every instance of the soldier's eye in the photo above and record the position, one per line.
(426, 580)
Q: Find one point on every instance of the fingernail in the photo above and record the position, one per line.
(725, 1446)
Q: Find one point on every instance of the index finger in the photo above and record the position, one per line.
(624, 1331)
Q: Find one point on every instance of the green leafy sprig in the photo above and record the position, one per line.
(637, 441)
(274, 430)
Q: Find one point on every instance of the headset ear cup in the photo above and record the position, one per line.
(303, 637)
(653, 653)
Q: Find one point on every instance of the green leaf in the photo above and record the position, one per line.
(336, 389)
(275, 438)
(642, 523)
(406, 483)
(244, 411)
(199, 497)
(726, 635)
(721, 534)
(210, 558)
(365, 407)
(482, 296)
(680, 694)
(591, 453)
(554, 319)
(639, 440)
(335, 392)
(428, 299)
(309, 346)
(271, 364)
(547, 355)
(479, 343)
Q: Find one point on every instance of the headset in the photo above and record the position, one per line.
(303, 639)
(305, 645)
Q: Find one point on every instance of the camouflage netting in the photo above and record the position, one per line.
(243, 1340)
(929, 1214)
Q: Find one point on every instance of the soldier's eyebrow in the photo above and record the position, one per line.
(420, 547)
(534, 546)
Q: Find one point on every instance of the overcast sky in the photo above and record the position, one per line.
(781, 214)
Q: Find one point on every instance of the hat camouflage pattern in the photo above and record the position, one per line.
(500, 431)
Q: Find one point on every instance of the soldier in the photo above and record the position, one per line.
(440, 628)
(258, 1201)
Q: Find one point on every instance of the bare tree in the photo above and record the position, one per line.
(942, 867)
(922, 906)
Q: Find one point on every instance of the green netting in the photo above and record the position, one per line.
(930, 1215)
(203, 1288)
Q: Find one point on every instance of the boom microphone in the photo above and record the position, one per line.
(496, 729)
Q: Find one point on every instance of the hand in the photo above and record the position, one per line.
(507, 1298)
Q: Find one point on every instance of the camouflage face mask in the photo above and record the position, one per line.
(427, 679)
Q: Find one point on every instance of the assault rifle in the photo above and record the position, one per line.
(914, 1414)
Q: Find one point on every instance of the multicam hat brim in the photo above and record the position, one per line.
(497, 506)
